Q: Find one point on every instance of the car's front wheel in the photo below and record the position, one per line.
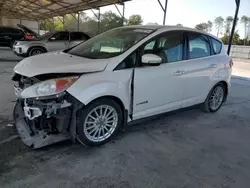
(36, 51)
(215, 98)
(99, 122)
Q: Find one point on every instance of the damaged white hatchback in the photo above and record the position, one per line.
(91, 91)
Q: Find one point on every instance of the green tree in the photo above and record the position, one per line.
(179, 25)
(236, 39)
(202, 26)
(135, 20)
(47, 25)
(205, 26)
(110, 20)
(228, 23)
(90, 26)
(210, 26)
(245, 20)
(218, 22)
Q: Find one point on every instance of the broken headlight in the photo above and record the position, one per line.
(49, 87)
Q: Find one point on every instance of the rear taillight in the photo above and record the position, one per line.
(231, 63)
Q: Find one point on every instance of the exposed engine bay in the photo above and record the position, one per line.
(41, 121)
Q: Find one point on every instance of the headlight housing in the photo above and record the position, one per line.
(49, 87)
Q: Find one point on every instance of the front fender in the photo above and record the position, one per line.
(94, 85)
(35, 44)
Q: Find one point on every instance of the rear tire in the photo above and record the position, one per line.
(99, 122)
(215, 98)
(36, 51)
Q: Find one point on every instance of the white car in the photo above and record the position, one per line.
(93, 90)
(52, 41)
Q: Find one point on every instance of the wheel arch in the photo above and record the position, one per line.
(225, 84)
(119, 102)
(34, 47)
(116, 99)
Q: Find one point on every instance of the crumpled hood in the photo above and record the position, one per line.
(58, 62)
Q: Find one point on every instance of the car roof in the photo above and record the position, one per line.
(7, 27)
(163, 28)
(154, 27)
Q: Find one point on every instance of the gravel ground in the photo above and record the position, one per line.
(184, 149)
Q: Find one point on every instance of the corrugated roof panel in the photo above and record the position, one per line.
(42, 9)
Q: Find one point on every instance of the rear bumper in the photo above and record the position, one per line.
(40, 138)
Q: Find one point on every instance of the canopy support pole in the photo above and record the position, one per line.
(123, 11)
(233, 27)
(63, 20)
(164, 10)
(78, 21)
(98, 17)
(38, 22)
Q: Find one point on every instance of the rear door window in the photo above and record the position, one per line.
(217, 45)
(198, 46)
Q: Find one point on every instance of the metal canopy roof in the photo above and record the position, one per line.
(42, 9)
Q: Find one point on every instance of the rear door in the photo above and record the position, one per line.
(76, 38)
(200, 68)
(58, 41)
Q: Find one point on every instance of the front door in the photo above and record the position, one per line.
(158, 89)
(59, 41)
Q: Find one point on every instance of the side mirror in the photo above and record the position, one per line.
(151, 59)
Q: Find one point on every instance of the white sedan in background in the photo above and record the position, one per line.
(93, 90)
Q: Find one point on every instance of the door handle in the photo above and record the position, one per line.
(213, 66)
(179, 73)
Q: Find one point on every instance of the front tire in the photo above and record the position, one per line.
(215, 98)
(36, 51)
(99, 122)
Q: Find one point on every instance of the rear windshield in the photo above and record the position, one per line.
(111, 43)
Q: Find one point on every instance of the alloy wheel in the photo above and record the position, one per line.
(216, 98)
(37, 52)
(100, 123)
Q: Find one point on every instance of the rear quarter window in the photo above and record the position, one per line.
(217, 45)
(198, 46)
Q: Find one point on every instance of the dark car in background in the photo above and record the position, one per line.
(8, 35)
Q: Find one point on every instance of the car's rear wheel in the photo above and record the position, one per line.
(215, 98)
(99, 122)
(36, 51)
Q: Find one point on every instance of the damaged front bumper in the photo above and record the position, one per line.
(41, 122)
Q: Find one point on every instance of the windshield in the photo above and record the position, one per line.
(111, 43)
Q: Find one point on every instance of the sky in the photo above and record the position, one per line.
(187, 12)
